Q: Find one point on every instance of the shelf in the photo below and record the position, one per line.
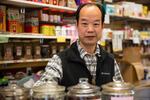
(28, 35)
(146, 2)
(126, 18)
(52, 23)
(31, 4)
(23, 63)
(145, 55)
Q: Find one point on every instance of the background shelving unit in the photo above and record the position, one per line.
(31, 4)
(25, 63)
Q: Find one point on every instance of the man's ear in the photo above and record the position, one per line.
(76, 23)
(103, 25)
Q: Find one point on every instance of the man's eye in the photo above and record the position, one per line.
(84, 24)
(96, 24)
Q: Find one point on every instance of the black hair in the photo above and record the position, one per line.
(100, 6)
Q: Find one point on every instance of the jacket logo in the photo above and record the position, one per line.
(105, 73)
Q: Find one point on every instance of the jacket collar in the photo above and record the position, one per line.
(74, 54)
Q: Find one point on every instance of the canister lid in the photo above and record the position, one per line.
(117, 85)
(83, 87)
(48, 87)
(13, 90)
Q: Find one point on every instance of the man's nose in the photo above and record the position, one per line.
(90, 28)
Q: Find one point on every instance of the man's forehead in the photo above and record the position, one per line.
(87, 18)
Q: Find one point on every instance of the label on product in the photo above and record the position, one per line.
(28, 52)
(19, 51)
(107, 19)
(8, 51)
(61, 39)
(38, 50)
(122, 98)
(136, 40)
(4, 39)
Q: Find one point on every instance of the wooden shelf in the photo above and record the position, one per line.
(131, 19)
(145, 2)
(145, 55)
(28, 35)
(23, 63)
(31, 4)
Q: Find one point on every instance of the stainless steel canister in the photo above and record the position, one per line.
(118, 90)
(14, 92)
(48, 91)
(83, 91)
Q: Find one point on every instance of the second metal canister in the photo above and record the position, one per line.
(83, 91)
(117, 90)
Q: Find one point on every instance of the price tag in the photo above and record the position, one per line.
(122, 98)
(107, 19)
(4, 39)
(61, 39)
(102, 43)
(136, 40)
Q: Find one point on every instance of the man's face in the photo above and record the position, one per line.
(89, 25)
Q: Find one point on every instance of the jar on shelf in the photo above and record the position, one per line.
(18, 49)
(83, 91)
(117, 90)
(53, 48)
(8, 51)
(36, 49)
(45, 51)
(61, 47)
(44, 15)
(48, 91)
(27, 49)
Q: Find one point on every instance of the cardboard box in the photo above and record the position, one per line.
(132, 72)
(132, 54)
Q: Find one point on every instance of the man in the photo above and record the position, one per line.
(85, 58)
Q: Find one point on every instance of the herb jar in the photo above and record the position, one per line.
(83, 91)
(117, 90)
(48, 91)
(14, 92)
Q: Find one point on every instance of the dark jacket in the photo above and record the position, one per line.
(74, 67)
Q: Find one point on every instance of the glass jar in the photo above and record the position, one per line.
(48, 91)
(45, 51)
(36, 49)
(27, 49)
(18, 49)
(14, 92)
(8, 51)
(117, 90)
(83, 91)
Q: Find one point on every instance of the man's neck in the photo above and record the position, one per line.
(89, 49)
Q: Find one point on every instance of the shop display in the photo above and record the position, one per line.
(48, 91)
(118, 90)
(16, 21)
(83, 91)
